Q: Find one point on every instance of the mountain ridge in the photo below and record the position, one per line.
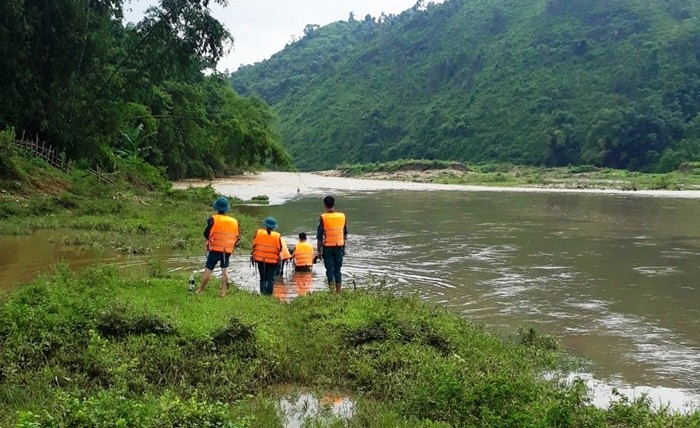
(610, 83)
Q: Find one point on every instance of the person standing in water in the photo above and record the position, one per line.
(303, 255)
(267, 246)
(331, 234)
(222, 233)
(304, 259)
(285, 257)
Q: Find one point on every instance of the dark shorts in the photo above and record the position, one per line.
(302, 268)
(215, 257)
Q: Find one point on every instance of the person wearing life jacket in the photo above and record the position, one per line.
(331, 234)
(285, 257)
(267, 246)
(222, 233)
(303, 255)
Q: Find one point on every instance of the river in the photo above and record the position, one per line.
(614, 275)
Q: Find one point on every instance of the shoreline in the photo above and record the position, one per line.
(283, 186)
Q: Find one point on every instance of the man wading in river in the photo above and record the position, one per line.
(267, 246)
(222, 234)
(332, 233)
(303, 255)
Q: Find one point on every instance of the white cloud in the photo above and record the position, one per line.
(263, 27)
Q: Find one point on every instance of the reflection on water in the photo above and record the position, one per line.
(614, 277)
(293, 285)
(299, 410)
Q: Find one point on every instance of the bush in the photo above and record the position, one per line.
(532, 338)
(8, 155)
(11, 209)
(100, 207)
(670, 160)
(580, 169)
(142, 174)
(119, 321)
(690, 168)
(490, 168)
(662, 182)
(193, 194)
(260, 198)
(86, 185)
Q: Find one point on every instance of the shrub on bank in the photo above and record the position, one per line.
(8, 155)
(400, 165)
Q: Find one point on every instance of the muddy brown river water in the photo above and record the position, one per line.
(614, 275)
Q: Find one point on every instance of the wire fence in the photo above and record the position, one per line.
(44, 151)
(105, 177)
(50, 155)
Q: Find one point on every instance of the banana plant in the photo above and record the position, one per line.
(133, 141)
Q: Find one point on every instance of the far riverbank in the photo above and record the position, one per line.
(686, 177)
(283, 186)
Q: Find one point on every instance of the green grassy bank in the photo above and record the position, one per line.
(687, 177)
(100, 349)
(135, 213)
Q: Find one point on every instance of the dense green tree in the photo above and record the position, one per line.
(73, 74)
(630, 138)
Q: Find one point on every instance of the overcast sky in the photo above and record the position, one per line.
(263, 27)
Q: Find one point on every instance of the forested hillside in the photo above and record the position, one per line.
(73, 74)
(607, 82)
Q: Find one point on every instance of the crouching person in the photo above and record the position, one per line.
(304, 256)
(267, 246)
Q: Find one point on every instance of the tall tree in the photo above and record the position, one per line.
(73, 74)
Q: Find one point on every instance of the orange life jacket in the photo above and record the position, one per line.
(266, 248)
(223, 233)
(285, 254)
(333, 229)
(304, 254)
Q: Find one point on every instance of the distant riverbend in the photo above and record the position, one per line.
(283, 186)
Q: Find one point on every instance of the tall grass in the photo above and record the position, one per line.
(97, 347)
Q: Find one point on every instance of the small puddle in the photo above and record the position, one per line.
(298, 410)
